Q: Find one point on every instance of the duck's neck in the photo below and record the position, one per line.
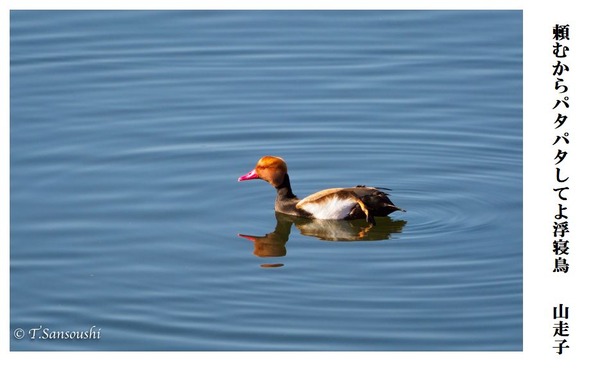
(284, 190)
(286, 201)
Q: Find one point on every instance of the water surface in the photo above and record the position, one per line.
(130, 128)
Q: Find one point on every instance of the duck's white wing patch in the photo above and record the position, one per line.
(327, 207)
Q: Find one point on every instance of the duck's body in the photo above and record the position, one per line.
(334, 203)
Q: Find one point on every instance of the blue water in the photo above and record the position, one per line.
(130, 129)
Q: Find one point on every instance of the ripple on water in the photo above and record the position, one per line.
(432, 215)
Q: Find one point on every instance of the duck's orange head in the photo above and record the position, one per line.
(270, 169)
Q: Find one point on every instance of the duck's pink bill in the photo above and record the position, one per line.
(249, 176)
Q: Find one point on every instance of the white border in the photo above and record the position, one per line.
(537, 365)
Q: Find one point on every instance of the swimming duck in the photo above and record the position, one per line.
(334, 203)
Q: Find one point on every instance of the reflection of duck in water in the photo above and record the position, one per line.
(273, 244)
(331, 204)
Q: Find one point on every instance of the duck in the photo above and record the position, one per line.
(333, 203)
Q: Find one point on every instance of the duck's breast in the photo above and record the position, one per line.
(334, 203)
